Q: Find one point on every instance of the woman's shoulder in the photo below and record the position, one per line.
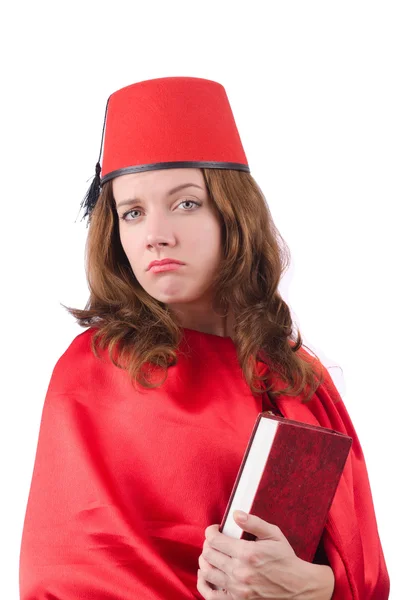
(331, 373)
(79, 348)
(76, 365)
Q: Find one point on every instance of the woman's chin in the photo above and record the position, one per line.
(174, 296)
(170, 297)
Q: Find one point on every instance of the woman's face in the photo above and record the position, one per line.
(167, 213)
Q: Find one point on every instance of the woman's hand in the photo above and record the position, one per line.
(265, 568)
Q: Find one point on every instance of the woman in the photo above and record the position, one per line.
(149, 410)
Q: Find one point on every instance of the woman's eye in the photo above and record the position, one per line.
(134, 210)
(191, 201)
(128, 212)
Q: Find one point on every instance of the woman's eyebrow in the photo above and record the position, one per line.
(169, 193)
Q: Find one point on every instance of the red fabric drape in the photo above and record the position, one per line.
(125, 482)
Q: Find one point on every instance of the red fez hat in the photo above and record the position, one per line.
(166, 123)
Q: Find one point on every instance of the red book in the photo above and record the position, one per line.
(288, 477)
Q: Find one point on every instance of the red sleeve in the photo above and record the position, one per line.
(79, 540)
(352, 540)
(350, 537)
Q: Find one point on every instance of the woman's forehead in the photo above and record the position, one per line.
(162, 180)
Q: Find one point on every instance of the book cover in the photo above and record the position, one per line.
(288, 476)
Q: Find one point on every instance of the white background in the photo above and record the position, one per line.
(313, 90)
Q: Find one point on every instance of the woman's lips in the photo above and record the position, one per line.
(166, 267)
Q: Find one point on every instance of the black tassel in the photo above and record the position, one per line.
(95, 189)
(92, 194)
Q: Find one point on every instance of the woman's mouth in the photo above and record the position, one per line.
(166, 267)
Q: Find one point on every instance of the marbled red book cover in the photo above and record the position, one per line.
(294, 479)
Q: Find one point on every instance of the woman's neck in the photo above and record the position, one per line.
(215, 324)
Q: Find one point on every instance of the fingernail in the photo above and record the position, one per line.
(241, 515)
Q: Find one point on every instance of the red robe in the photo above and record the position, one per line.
(125, 483)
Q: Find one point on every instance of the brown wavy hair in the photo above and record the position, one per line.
(142, 330)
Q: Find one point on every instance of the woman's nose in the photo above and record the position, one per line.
(160, 237)
(159, 231)
(156, 244)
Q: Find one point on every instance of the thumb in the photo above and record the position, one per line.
(263, 530)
